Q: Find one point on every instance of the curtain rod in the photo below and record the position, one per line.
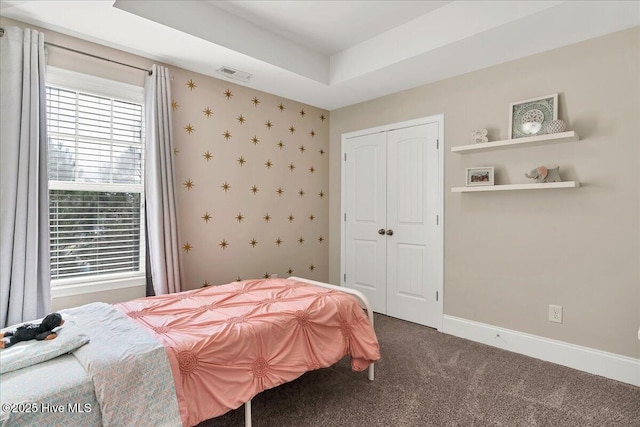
(89, 54)
(97, 57)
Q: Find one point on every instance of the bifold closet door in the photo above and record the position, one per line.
(412, 208)
(366, 210)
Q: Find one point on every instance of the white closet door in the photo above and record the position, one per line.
(365, 197)
(412, 206)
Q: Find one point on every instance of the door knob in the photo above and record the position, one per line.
(389, 232)
(381, 231)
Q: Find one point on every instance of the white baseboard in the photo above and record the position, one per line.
(609, 365)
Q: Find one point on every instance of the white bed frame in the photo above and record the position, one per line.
(364, 303)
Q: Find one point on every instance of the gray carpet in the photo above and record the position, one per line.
(427, 378)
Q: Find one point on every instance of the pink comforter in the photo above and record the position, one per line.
(228, 343)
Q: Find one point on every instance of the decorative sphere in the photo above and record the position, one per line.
(556, 126)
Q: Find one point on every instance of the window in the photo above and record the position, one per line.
(96, 182)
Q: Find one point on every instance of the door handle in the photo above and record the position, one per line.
(381, 231)
(389, 232)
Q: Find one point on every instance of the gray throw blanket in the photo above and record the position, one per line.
(130, 370)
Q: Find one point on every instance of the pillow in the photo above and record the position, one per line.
(27, 353)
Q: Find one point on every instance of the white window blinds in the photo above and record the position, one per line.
(95, 184)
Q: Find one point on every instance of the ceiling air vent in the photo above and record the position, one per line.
(234, 74)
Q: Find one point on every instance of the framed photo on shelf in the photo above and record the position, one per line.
(531, 117)
(479, 176)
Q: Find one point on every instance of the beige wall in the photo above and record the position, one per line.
(206, 261)
(508, 255)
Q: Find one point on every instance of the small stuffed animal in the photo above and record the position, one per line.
(543, 174)
(30, 331)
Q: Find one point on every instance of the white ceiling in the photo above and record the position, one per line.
(331, 53)
(328, 27)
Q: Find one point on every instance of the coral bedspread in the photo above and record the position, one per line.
(228, 343)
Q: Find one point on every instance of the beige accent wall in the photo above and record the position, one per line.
(252, 181)
(300, 167)
(508, 255)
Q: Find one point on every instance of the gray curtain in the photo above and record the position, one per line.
(25, 292)
(162, 224)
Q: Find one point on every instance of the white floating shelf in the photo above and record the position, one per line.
(540, 186)
(529, 141)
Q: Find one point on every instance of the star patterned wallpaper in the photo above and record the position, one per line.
(252, 175)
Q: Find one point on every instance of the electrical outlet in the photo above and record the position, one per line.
(555, 313)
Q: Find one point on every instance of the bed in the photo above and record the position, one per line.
(194, 355)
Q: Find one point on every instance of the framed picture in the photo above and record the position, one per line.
(530, 117)
(479, 176)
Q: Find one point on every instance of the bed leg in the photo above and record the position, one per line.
(371, 372)
(247, 414)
